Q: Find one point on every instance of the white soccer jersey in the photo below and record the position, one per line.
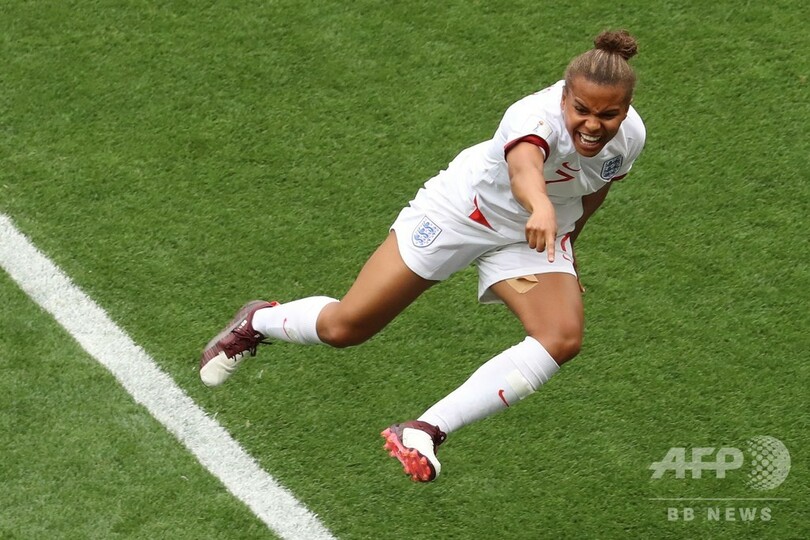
(477, 184)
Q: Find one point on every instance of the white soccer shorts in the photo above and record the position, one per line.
(436, 241)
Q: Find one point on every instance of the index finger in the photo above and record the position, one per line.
(550, 246)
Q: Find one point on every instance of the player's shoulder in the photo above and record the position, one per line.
(541, 105)
(634, 125)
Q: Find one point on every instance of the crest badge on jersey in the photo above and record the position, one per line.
(611, 167)
(425, 233)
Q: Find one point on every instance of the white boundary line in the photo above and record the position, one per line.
(138, 373)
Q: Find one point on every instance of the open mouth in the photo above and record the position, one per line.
(588, 140)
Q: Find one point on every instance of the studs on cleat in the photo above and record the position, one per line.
(417, 466)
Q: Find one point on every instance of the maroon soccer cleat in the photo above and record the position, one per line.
(415, 444)
(225, 352)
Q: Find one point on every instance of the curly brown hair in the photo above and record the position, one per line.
(607, 63)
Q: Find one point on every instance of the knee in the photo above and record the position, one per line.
(567, 347)
(342, 335)
(563, 344)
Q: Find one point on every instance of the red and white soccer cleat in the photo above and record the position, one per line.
(234, 343)
(415, 444)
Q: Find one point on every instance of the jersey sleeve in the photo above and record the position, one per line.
(636, 137)
(525, 121)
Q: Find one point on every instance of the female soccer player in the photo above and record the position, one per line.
(513, 206)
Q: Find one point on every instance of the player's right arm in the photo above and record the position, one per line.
(525, 161)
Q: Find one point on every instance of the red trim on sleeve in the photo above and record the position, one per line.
(533, 139)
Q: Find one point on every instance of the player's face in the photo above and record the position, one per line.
(593, 113)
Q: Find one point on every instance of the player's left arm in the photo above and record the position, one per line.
(592, 201)
(590, 204)
(636, 135)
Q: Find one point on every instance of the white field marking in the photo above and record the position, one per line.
(138, 373)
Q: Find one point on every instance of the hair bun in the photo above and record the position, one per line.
(617, 41)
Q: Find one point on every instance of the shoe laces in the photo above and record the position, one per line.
(245, 341)
(439, 437)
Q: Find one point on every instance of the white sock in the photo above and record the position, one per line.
(501, 382)
(294, 322)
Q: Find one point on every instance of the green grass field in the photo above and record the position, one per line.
(176, 159)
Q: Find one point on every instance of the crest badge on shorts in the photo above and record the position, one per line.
(425, 233)
(611, 167)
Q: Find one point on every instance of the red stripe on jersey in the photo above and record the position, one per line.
(477, 216)
(533, 139)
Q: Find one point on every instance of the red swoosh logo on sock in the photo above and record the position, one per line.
(500, 395)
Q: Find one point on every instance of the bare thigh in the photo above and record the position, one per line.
(551, 312)
(382, 290)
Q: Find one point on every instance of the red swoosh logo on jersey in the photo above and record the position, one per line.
(568, 166)
(500, 395)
